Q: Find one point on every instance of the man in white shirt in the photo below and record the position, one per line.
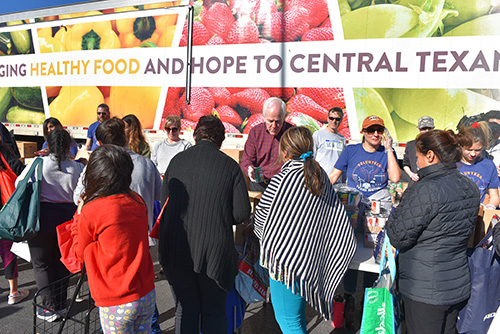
(328, 143)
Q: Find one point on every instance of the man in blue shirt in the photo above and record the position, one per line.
(103, 114)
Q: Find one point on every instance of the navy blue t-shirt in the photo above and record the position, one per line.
(483, 172)
(365, 171)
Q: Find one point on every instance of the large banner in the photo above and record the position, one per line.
(399, 60)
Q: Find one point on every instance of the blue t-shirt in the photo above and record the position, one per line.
(483, 173)
(365, 171)
(91, 135)
(73, 149)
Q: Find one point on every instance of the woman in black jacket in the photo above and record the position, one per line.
(431, 227)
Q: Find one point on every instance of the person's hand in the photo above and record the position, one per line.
(414, 177)
(80, 206)
(251, 173)
(498, 171)
(387, 140)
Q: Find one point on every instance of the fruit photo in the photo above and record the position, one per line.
(401, 108)
(15, 42)
(141, 31)
(259, 21)
(76, 105)
(240, 109)
(21, 105)
(419, 18)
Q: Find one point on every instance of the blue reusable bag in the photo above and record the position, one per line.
(19, 217)
(477, 315)
(381, 309)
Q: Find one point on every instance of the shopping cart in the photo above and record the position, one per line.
(81, 314)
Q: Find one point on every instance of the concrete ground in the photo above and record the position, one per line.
(259, 317)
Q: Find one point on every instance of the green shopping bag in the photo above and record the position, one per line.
(19, 219)
(381, 312)
(378, 312)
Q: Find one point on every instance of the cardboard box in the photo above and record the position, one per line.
(236, 154)
(483, 224)
(83, 154)
(254, 197)
(27, 149)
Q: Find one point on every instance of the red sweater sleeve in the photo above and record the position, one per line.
(115, 248)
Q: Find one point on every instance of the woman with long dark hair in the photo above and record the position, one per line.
(306, 238)
(50, 124)
(60, 175)
(113, 243)
(431, 227)
(136, 141)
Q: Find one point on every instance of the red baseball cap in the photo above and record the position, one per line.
(372, 120)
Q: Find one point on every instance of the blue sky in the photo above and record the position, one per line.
(11, 6)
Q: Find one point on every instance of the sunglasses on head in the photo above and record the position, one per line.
(338, 119)
(171, 129)
(374, 129)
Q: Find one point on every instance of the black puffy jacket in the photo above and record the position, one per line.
(431, 227)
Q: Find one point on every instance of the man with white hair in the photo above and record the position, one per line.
(262, 145)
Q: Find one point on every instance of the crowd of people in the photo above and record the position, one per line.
(299, 221)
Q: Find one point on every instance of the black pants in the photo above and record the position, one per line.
(200, 303)
(260, 187)
(424, 318)
(45, 255)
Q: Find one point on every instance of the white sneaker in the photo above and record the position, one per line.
(18, 296)
(47, 315)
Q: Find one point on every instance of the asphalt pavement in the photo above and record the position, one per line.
(259, 317)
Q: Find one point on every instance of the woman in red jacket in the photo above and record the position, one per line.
(113, 243)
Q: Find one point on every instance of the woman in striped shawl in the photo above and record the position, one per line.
(306, 240)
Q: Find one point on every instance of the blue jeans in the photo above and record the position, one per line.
(289, 308)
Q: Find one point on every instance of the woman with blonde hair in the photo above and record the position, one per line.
(136, 141)
(305, 235)
(473, 140)
(165, 150)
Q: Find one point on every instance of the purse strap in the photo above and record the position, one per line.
(7, 166)
(38, 162)
(391, 259)
(161, 212)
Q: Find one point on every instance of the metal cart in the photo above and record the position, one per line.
(81, 314)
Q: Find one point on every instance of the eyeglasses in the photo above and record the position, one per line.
(101, 113)
(371, 131)
(171, 129)
(338, 119)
